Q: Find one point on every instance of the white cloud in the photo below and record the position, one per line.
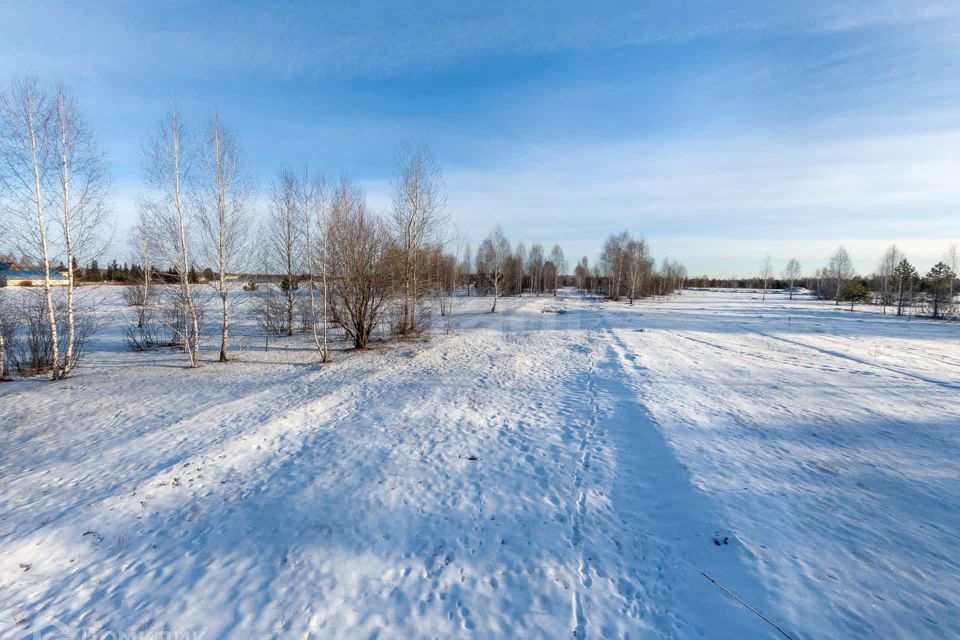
(714, 203)
(712, 200)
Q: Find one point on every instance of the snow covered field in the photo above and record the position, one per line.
(610, 471)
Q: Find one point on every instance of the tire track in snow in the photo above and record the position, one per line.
(800, 346)
(844, 356)
(672, 516)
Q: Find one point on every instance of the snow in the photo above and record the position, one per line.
(608, 471)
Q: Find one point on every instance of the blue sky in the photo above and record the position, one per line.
(720, 131)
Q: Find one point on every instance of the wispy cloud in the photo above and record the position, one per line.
(716, 128)
(292, 37)
(731, 194)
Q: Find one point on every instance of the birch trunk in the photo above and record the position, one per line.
(192, 339)
(42, 233)
(313, 297)
(68, 235)
(326, 299)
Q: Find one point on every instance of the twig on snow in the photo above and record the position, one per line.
(737, 598)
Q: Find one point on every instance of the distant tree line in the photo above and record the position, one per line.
(319, 262)
(895, 285)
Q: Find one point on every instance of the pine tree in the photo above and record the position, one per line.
(936, 286)
(92, 272)
(906, 276)
(854, 291)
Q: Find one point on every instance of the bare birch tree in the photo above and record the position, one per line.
(612, 260)
(952, 259)
(582, 273)
(888, 264)
(81, 194)
(419, 200)
(792, 273)
(313, 204)
(224, 195)
(283, 240)
(458, 276)
(139, 293)
(766, 274)
(168, 168)
(521, 257)
(493, 255)
(559, 266)
(840, 269)
(672, 277)
(639, 266)
(535, 260)
(27, 160)
(466, 268)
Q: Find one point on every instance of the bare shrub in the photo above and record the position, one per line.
(8, 327)
(31, 346)
(182, 318)
(144, 331)
(269, 310)
(359, 265)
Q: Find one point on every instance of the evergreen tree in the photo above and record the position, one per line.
(92, 272)
(906, 277)
(854, 292)
(936, 287)
(114, 270)
(289, 284)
